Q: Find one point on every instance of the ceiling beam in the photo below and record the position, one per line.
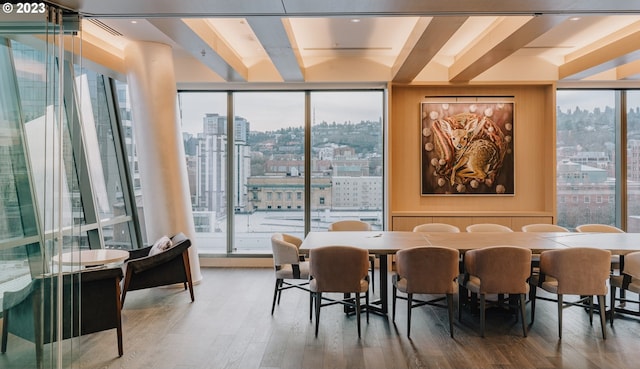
(486, 53)
(628, 70)
(609, 55)
(207, 33)
(184, 36)
(434, 36)
(271, 33)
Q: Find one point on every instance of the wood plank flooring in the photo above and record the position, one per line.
(230, 326)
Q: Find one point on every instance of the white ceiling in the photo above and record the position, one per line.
(419, 41)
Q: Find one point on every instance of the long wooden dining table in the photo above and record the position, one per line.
(386, 243)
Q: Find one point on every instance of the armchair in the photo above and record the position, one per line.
(171, 266)
(91, 303)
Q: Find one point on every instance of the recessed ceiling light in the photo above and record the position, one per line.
(134, 21)
(574, 18)
(355, 20)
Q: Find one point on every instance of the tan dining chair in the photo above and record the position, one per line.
(291, 269)
(628, 280)
(488, 227)
(563, 272)
(496, 270)
(602, 228)
(339, 269)
(426, 270)
(543, 227)
(436, 227)
(356, 225)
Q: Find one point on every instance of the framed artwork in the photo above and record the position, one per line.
(467, 148)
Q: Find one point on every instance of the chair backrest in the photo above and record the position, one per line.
(349, 225)
(338, 268)
(632, 264)
(501, 269)
(488, 227)
(579, 270)
(429, 269)
(543, 227)
(285, 249)
(603, 228)
(436, 227)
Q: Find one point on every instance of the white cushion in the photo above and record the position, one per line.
(162, 244)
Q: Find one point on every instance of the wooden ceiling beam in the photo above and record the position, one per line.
(487, 52)
(433, 38)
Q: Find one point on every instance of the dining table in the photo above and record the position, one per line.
(383, 244)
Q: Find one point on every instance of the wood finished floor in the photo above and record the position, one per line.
(230, 326)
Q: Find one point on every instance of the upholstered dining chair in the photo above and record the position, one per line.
(339, 269)
(563, 272)
(488, 227)
(356, 225)
(426, 270)
(436, 227)
(289, 265)
(628, 280)
(603, 228)
(543, 227)
(496, 270)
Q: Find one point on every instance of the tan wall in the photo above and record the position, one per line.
(534, 154)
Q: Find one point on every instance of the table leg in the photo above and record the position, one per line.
(381, 306)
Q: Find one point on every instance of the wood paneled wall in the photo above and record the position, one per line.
(534, 154)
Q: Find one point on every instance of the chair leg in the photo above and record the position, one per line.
(310, 306)
(482, 313)
(318, 298)
(5, 327)
(450, 308)
(612, 303)
(275, 295)
(366, 300)
(532, 299)
(373, 274)
(560, 305)
(462, 295)
(358, 311)
(523, 313)
(409, 303)
(603, 318)
(394, 295)
(590, 299)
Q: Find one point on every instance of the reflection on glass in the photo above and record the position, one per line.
(585, 157)
(126, 122)
(33, 68)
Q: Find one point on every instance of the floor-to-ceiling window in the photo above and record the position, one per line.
(633, 160)
(347, 157)
(591, 150)
(243, 190)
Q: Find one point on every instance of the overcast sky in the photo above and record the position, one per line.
(268, 111)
